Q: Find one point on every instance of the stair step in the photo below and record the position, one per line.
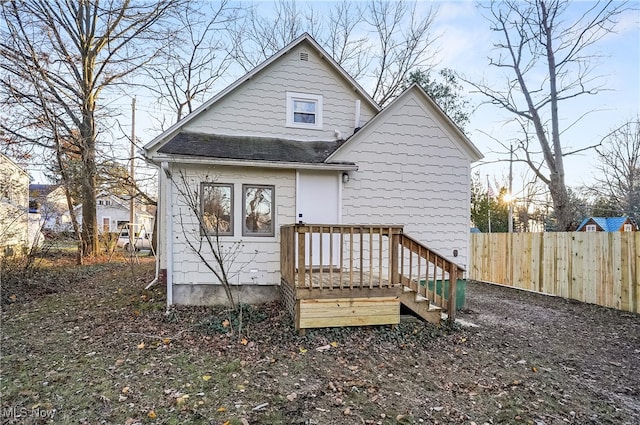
(421, 306)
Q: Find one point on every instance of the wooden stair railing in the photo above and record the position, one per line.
(372, 257)
(423, 273)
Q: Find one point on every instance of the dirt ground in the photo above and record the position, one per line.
(101, 350)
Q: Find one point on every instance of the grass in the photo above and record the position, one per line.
(88, 345)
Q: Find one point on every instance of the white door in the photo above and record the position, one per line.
(318, 202)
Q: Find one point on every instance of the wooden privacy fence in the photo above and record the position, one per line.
(601, 268)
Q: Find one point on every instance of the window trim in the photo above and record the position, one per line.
(590, 228)
(203, 229)
(245, 231)
(108, 218)
(627, 227)
(315, 98)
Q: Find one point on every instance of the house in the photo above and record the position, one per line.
(608, 224)
(14, 207)
(113, 214)
(330, 197)
(50, 202)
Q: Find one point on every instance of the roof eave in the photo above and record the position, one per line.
(193, 160)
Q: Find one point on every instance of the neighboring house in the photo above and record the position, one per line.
(608, 224)
(297, 140)
(14, 207)
(113, 214)
(50, 202)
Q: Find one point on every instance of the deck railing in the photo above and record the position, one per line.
(429, 274)
(321, 256)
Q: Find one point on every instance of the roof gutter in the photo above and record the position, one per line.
(250, 163)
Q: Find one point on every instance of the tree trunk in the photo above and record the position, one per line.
(560, 199)
(88, 189)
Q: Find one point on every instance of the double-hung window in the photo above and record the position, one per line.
(304, 110)
(257, 210)
(217, 208)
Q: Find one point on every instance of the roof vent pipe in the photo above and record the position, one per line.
(357, 118)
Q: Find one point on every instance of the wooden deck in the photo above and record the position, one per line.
(356, 275)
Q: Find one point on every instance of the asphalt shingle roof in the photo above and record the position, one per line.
(249, 148)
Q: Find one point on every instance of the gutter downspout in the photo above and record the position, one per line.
(169, 231)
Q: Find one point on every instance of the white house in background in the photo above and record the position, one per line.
(50, 202)
(113, 213)
(298, 140)
(14, 207)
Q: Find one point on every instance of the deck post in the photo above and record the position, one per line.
(301, 263)
(394, 242)
(453, 281)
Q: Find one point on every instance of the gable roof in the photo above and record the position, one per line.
(304, 38)
(13, 164)
(248, 148)
(466, 144)
(607, 224)
(41, 190)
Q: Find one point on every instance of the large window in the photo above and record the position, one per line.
(304, 110)
(257, 210)
(217, 208)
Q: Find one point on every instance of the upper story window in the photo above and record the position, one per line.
(304, 110)
(591, 228)
(627, 227)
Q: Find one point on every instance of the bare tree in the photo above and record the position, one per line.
(59, 57)
(342, 41)
(256, 37)
(619, 166)
(197, 57)
(397, 39)
(547, 60)
(404, 43)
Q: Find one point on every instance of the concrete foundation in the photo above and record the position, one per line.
(215, 294)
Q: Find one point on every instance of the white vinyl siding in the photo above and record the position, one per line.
(411, 172)
(14, 207)
(258, 252)
(263, 101)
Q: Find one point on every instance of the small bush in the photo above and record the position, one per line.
(226, 320)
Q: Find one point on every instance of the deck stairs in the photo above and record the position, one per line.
(420, 306)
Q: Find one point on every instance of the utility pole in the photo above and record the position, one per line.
(511, 198)
(131, 171)
(489, 202)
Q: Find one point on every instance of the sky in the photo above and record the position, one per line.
(464, 44)
(467, 42)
